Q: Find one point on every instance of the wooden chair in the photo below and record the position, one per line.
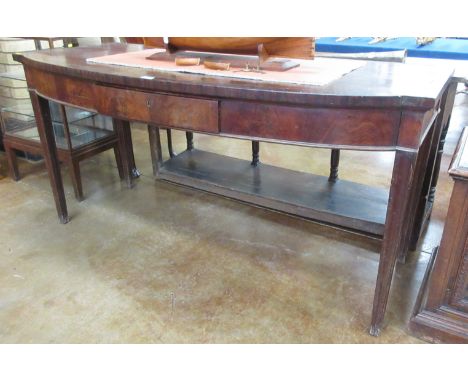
(90, 135)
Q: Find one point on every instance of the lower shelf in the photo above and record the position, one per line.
(345, 204)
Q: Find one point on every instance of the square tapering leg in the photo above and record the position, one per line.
(394, 235)
(46, 134)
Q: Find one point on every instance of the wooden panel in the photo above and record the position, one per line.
(376, 84)
(163, 110)
(316, 125)
(413, 127)
(441, 311)
(60, 88)
(459, 296)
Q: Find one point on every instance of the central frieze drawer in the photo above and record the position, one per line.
(159, 109)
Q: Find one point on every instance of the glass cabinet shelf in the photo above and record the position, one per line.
(84, 126)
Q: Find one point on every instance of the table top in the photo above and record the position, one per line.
(375, 84)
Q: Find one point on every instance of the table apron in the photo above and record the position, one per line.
(352, 128)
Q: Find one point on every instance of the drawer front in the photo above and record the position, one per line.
(159, 109)
(310, 125)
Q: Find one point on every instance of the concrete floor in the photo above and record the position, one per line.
(166, 264)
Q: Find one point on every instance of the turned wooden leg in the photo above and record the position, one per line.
(12, 163)
(438, 161)
(189, 136)
(334, 163)
(118, 160)
(155, 147)
(75, 174)
(435, 177)
(397, 213)
(255, 153)
(169, 143)
(122, 129)
(46, 134)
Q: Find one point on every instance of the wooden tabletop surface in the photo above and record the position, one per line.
(375, 84)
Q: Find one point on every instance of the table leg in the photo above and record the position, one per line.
(432, 171)
(46, 134)
(423, 204)
(417, 190)
(397, 214)
(122, 129)
(155, 148)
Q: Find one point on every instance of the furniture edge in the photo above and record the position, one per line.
(232, 90)
(433, 326)
(457, 169)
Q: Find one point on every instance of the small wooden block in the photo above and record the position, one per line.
(234, 61)
(187, 61)
(216, 65)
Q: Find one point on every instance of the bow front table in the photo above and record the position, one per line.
(377, 107)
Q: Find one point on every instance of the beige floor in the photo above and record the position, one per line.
(165, 264)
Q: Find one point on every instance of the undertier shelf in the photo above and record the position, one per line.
(345, 204)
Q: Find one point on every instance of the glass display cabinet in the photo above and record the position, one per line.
(79, 134)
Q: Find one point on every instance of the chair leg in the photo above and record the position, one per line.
(118, 160)
(12, 163)
(75, 174)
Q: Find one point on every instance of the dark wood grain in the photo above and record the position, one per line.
(348, 127)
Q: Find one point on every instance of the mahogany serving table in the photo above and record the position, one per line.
(380, 106)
